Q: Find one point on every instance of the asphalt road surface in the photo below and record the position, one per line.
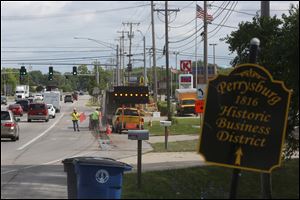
(31, 168)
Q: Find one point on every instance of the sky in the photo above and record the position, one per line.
(38, 34)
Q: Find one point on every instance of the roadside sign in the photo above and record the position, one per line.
(245, 120)
(201, 88)
(199, 106)
(131, 94)
(185, 81)
(186, 65)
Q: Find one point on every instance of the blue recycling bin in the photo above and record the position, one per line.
(99, 178)
(71, 176)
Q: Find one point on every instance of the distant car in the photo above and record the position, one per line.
(68, 98)
(81, 93)
(30, 99)
(75, 95)
(51, 110)
(24, 103)
(127, 119)
(38, 111)
(39, 96)
(3, 100)
(9, 125)
(16, 109)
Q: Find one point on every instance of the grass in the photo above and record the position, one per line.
(210, 182)
(179, 146)
(92, 103)
(183, 126)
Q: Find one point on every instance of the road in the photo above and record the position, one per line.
(32, 168)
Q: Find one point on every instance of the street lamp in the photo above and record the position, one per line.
(109, 45)
(145, 71)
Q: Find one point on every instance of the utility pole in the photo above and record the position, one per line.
(205, 43)
(214, 56)
(196, 48)
(265, 178)
(176, 54)
(265, 8)
(130, 36)
(154, 54)
(117, 66)
(145, 70)
(166, 10)
(122, 55)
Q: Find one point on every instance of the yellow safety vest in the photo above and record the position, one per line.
(75, 116)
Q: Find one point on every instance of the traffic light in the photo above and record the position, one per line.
(74, 70)
(50, 77)
(50, 74)
(23, 71)
(129, 67)
(50, 70)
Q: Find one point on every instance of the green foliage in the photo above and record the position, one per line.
(162, 108)
(210, 182)
(279, 53)
(186, 126)
(179, 146)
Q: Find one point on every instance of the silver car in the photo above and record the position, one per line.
(9, 125)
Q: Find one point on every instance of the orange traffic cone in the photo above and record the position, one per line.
(108, 129)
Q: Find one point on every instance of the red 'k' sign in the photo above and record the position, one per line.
(186, 65)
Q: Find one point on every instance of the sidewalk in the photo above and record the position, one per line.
(167, 160)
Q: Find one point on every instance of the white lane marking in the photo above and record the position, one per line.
(36, 138)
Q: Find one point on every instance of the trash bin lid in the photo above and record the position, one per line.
(70, 160)
(100, 161)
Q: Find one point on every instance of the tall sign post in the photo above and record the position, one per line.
(245, 121)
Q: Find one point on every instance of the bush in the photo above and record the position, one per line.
(162, 108)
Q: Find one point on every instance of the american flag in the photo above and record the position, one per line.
(200, 14)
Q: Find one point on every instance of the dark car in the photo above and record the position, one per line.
(9, 125)
(16, 109)
(24, 103)
(3, 100)
(68, 98)
(38, 111)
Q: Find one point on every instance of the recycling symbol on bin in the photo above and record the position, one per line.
(102, 176)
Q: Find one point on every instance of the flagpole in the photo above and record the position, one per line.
(196, 48)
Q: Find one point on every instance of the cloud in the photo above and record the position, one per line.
(32, 8)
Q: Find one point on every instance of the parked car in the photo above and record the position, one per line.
(24, 103)
(16, 109)
(38, 111)
(9, 125)
(127, 119)
(3, 100)
(68, 98)
(51, 110)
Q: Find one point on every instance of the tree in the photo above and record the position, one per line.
(279, 53)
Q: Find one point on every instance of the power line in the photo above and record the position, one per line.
(32, 17)
(38, 59)
(186, 37)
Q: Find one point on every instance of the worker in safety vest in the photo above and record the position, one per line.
(95, 120)
(75, 117)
